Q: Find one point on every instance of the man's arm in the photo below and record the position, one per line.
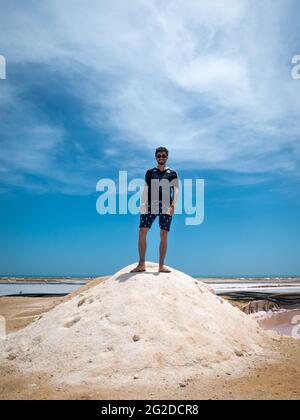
(144, 199)
(175, 185)
(176, 193)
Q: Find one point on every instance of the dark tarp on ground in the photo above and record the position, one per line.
(287, 301)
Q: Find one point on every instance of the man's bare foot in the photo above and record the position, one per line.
(164, 269)
(140, 268)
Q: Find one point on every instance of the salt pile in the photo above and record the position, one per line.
(147, 326)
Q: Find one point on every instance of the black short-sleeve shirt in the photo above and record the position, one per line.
(155, 174)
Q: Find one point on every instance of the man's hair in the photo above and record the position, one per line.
(162, 150)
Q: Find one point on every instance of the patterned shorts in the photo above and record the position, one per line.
(146, 221)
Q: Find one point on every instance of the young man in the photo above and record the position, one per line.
(158, 199)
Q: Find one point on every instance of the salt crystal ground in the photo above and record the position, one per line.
(149, 327)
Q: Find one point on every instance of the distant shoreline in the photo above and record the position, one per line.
(45, 280)
(84, 280)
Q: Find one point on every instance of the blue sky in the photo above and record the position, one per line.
(92, 90)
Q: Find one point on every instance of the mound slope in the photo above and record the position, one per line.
(146, 326)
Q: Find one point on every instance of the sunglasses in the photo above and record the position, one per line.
(159, 156)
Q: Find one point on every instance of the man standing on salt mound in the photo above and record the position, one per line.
(159, 199)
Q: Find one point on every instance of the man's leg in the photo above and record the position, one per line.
(165, 225)
(163, 251)
(143, 245)
(142, 250)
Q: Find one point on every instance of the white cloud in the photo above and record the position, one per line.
(211, 80)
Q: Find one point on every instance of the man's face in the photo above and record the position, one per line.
(161, 158)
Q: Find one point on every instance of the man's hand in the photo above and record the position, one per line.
(171, 210)
(143, 209)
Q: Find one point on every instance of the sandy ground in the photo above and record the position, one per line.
(20, 311)
(280, 380)
(269, 382)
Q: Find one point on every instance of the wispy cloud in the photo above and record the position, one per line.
(210, 80)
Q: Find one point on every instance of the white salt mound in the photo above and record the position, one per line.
(150, 326)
